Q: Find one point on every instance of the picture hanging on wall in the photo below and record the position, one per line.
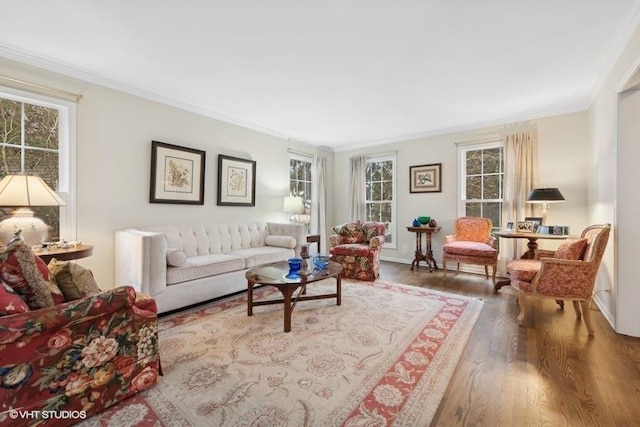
(177, 174)
(236, 181)
(425, 178)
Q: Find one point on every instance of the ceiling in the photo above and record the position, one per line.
(337, 73)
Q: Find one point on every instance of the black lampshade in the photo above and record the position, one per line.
(545, 195)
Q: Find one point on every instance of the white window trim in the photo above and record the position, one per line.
(66, 153)
(393, 228)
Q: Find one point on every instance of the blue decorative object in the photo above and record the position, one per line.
(321, 261)
(416, 223)
(294, 264)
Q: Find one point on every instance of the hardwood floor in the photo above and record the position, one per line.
(547, 372)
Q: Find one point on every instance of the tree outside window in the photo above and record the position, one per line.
(379, 186)
(482, 182)
(29, 144)
(300, 184)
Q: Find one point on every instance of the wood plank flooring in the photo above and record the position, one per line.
(548, 372)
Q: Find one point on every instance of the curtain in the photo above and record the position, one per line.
(319, 202)
(520, 176)
(357, 208)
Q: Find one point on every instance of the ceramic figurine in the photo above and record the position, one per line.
(433, 223)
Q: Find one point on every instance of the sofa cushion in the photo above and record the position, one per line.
(280, 241)
(28, 276)
(351, 249)
(474, 249)
(74, 280)
(571, 249)
(10, 302)
(201, 266)
(176, 257)
(263, 255)
(350, 232)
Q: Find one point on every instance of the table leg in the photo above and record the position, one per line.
(288, 309)
(250, 298)
(429, 255)
(338, 290)
(418, 254)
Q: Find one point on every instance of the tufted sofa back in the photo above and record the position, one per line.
(206, 239)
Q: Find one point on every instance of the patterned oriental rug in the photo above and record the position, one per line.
(385, 357)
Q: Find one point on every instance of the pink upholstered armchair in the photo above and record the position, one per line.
(471, 243)
(357, 247)
(570, 274)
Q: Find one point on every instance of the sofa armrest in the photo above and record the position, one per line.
(141, 260)
(335, 240)
(376, 243)
(22, 326)
(297, 231)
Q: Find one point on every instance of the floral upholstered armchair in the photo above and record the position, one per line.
(84, 354)
(357, 246)
(567, 274)
(471, 243)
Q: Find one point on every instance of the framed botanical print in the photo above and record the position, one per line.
(177, 174)
(236, 181)
(425, 178)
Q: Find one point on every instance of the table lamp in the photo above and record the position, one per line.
(544, 196)
(294, 205)
(23, 192)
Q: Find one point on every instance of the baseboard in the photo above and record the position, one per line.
(605, 312)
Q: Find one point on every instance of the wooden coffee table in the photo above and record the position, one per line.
(276, 275)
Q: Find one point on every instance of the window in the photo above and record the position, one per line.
(482, 178)
(380, 188)
(300, 184)
(35, 139)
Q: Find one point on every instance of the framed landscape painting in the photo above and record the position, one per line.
(177, 174)
(236, 181)
(425, 178)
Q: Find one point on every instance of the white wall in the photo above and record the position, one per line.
(563, 163)
(611, 200)
(115, 131)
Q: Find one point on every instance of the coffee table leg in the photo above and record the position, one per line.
(249, 298)
(338, 290)
(286, 293)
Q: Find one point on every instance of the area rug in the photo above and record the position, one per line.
(384, 357)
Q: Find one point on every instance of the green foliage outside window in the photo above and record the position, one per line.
(484, 179)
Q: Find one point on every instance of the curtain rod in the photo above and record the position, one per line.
(35, 85)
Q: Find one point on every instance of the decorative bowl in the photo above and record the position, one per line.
(294, 264)
(424, 219)
(321, 261)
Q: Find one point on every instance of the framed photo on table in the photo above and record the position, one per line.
(537, 220)
(177, 174)
(236, 181)
(425, 178)
(525, 227)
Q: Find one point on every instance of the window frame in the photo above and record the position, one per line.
(392, 227)
(67, 141)
(307, 202)
(462, 175)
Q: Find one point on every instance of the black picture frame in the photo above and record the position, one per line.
(236, 181)
(177, 174)
(425, 178)
(535, 219)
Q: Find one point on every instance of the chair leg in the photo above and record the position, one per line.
(458, 269)
(587, 315)
(486, 271)
(444, 267)
(521, 305)
(493, 276)
(576, 308)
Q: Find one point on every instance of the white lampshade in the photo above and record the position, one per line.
(22, 192)
(293, 204)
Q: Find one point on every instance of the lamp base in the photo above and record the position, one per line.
(34, 230)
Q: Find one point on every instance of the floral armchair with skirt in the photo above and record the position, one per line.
(357, 246)
(74, 357)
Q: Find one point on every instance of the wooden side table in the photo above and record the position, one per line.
(427, 255)
(65, 254)
(314, 238)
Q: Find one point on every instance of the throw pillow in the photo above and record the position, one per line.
(10, 302)
(176, 257)
(280, 241)
(350, 232)
(27, 275)
(74, 280)
(373, 229)
(572, 249)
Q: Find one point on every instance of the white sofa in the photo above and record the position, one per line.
(181, 265)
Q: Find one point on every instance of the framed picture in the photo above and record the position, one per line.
(525, 226)
(236, 181)
(509, 226)
(425, 178)
(536, 219)
(177, 174)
